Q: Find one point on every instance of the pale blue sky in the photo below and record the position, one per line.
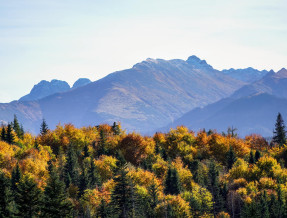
(69, 39)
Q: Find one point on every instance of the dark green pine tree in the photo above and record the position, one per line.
(123, 196)
(93, 176)
(17, 128)
(103, 209)
(10, 135)
(86, 151)
(251, 210)
(264, 206)
(214, 188)
(257, 155)
(15, 178)
(28, 198)
(6, 198)
(3, 134)
(55, 201)
(273, 206)
(231, 158)
(44, 127)
(102, 148)
(83, 183)
(71, 168)
(152, 200)
(281, 206)
(279, 133)
(116, 128)
(172, 184)
(251, 158)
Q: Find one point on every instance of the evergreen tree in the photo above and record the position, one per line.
(103, 210)
(28, 198)
(55, 201)
(86, 151)
(251, 210)
(279, 133)
(257, 155)
(116, 128)
(15, 178)
(84, 182)
(251, 158)
(10, 136)
(94, 179)
(172, 183)
(6, 198)
(3, 134)
(231, 158)
(71, 169)
(152, 200)
(17, 128)
(44, 127)
(214, 187)
(123, 196)
(264, 206)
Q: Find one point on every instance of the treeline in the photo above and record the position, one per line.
(101, 171)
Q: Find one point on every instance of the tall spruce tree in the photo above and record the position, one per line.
(55, 201)
(3, 134)
(123, 196)
(10, 135)
(6, 198)
(214, 188)
(44, 127)
(15, 178)
(17, 128)
(172, 184)
(28, 198)
(264, 205)
(93, 176)
(71, 168)
(251, 158)
(279, 136)
(231, 158)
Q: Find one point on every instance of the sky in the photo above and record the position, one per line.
(71, 39)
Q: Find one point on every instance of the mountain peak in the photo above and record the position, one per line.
(197, 62)
(81, 82)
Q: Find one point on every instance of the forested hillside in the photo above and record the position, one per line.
(101, 171)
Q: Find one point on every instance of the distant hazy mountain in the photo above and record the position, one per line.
(45, 88)
(273, 83)
(81, 82)
(247, 75)
(251, 109)
(149, 95)
(252, 114)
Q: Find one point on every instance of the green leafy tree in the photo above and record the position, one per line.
(55, 201)
(172, 184)
(28, 198)
(279, 133)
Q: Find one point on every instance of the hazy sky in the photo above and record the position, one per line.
(69, 39)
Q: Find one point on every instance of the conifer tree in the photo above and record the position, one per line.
(251, 158)
(152, 200)
(103, 210)
(71, 169)
(93, 176)
(257, 155)
(3, 134)
(84, 182)
(86, 151)
(44, 127)
(10, 135)
(6, 198)
(251, 210)
(15, 178)
(172, 182)
(231, 158)
(17, 128)
(264, 206)
(214, 188)
(279, 133)
(55, 201)
(123, 196)
(116, 128)
(28, 198)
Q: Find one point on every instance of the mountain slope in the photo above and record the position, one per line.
(247, 75)
(252, 114)
(149, 95)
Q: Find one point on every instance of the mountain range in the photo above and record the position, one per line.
(153, 94)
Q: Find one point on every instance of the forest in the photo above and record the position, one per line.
(102, 171)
